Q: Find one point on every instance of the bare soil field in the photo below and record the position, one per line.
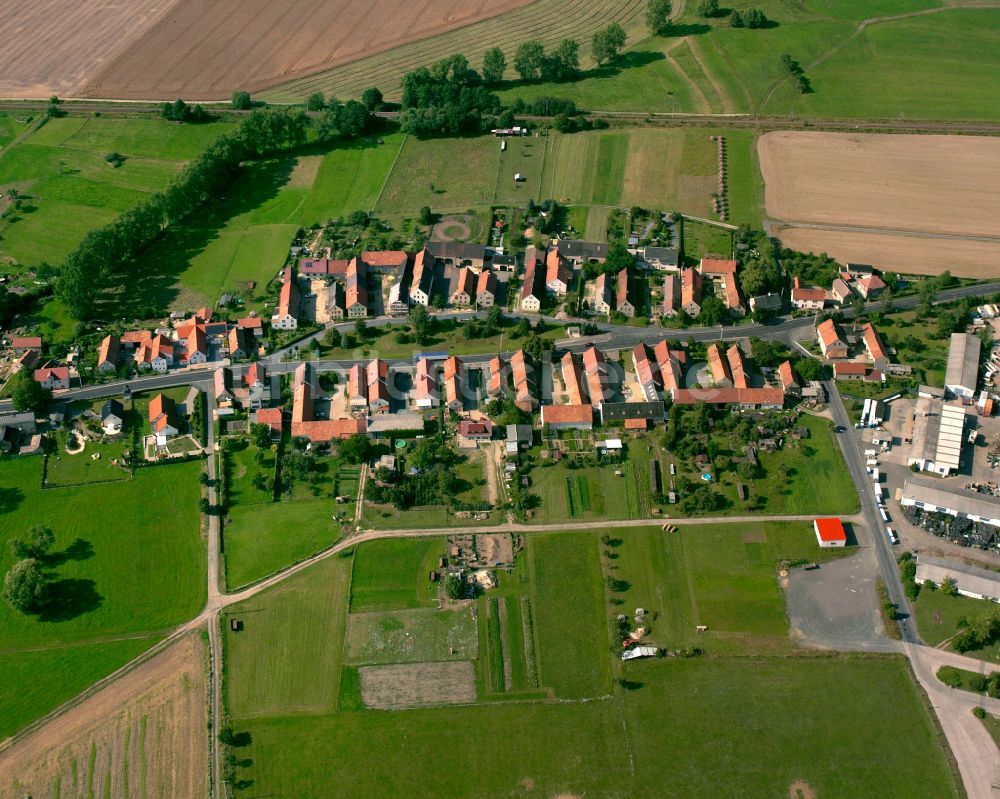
(57, 46)
(910, 255)
(418, 685)
(204, 49)
(143, 735)
(941, 184)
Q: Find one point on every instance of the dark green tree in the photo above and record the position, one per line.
(29, 395)
(315, 102)
(607, 43)
(494, 65)
(241, 100)
(708, 8)
(528, 59)
(24, 586)
(372, 99)
(356, 449)
(454, 586)
(658, 16)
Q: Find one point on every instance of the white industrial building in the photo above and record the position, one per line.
(971, 581)
(938, 431)
(962, 372)
(938, 498)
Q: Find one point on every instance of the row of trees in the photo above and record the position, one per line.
(446, 98)
(105, 253)
(531, 61)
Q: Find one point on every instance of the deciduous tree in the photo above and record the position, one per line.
(494, 64)
(658, 16)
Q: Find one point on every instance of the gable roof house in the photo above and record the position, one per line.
(558, 274)
(747, 398)
(841, 291)
(422, 283)
(524, 382)
(579, 252)
(623, 290)
(272, 417)
(161, 408)
(399, 293)
(568, 417)
(357, 387)
(108, 354)
(649, 376)
(255, 375)
(533, 287)
(497, 381)
(724, 273)
(452, 388)
(572, 379)
(356, 291)
(425, 387)
(286, 316)
(486, 289)
(156, 353)
(719, 367)
(336, 301)
(257, 387)
(875, 347)
(196, 348)
(596, 370)
(786, 376)
(254, 325)
(112, 416)
(831, 342)
(240, 343)
(691, 291)
(807, 299)
(222, 380)
(661, 258)
(603, 300)
(457, 253)
(671, 296)
(870, 286)
(53, 377)
(737, 366)
(22, 344)
(463, 289)
(766, 302)
(378, 386)
(669, 363)
(384, 261)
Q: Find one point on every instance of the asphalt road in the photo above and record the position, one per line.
(869, 508)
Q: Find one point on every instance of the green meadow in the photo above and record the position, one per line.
(128, 564)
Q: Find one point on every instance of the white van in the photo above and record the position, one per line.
(892, 536)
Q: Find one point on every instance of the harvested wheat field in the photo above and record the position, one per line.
(57, 46)
(143, 735)
(204, 49)
(864, 184)
(909, 255)
(941, 184)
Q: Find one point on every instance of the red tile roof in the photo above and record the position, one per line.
(384, 258)
(715, 266)
(567, 414)
(110, 350)
(786, 375)
(718, 365)
(571, 379)
(730, 396)
(271, 417)
(26, 342)
(56, 372)
(737, 366)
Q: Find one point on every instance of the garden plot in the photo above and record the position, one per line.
(417, 685)
(411, 636)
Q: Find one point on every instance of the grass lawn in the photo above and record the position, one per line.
(71, 189)
(446, 174)
(992, 724)
(780, 730)
(286, 659)
(66, 469)
(392, 574)
(574, 657)
(720, 575)
(938, 615)
(699, 240)
(35, 682)
(411, 636)
(524, 156)
(918, 343)
(11, 126)
(262, 538)
(128, 560)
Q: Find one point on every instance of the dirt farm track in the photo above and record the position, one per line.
(913, 203)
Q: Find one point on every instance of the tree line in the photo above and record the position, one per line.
(106, 252)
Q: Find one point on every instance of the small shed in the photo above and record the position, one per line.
(830, 533)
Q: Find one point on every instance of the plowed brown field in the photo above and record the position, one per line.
(57, 46)
(916, 204)
(204, 49)
(145, 734)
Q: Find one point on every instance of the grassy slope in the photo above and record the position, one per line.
(781, 729)
(72, 189)
(938, 615)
